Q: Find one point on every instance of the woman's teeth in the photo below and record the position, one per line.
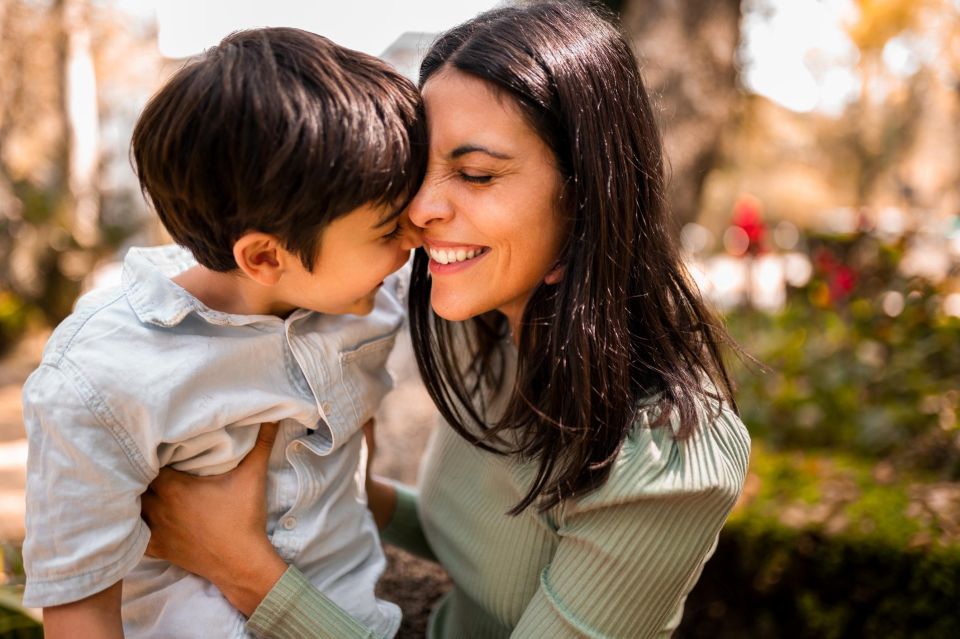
(449, 256)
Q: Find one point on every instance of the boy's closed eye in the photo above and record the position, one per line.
(394, 233)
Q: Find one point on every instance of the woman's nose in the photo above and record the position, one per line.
(429, 205)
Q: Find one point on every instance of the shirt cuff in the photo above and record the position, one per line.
(404, 528)
(295, 609)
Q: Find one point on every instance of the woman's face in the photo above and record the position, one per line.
(489, 204)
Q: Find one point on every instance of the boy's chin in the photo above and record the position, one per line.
(363, 306)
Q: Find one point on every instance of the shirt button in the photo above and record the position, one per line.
(326, 406)
(289, 523)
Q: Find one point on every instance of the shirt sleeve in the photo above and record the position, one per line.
(629, 554)
(84, 481)
(404, 528)
(295, 609)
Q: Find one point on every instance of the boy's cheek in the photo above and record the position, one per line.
(401, 260)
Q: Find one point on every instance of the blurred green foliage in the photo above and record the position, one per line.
(827, 545)
(849, 525)
(846, 496)
(843, 373)
(16, 622)
(775, 582)
(42, 263)
(15, 316)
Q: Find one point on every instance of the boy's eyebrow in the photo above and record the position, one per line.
(465, 149)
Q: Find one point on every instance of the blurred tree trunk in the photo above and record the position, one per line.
(48, 183)
(78, 90)
(6, 88)
(897, 136)
(688, 52)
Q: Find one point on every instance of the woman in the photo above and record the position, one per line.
(592, 450)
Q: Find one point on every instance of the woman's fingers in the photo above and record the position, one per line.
(268, 434)
(259, 455)
(148, 502)
(175, 498)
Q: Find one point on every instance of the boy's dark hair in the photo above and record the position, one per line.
(276, 130)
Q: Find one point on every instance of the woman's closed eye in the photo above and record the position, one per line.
(475, 178)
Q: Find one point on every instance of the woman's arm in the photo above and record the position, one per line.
(625, 571)
(630, 553)
(295, 609)
(215, 527)
(381, 494)
(394, 506)
(403, 529)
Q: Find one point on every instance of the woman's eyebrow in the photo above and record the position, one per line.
(476, 148)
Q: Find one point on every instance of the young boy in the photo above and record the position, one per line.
(279, 162)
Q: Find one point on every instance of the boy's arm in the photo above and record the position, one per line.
(96, 617)
(85, 474)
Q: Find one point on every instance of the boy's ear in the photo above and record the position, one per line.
(261, 257)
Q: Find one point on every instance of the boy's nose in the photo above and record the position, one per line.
(411, 235)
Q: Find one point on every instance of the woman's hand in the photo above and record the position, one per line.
(215, 526)
(381, 494)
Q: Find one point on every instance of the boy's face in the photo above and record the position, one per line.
(356, 254)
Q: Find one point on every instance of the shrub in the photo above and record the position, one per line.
(832, 547)
(868, 363)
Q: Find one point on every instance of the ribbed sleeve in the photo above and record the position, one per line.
(295, 609)
(626, 571)
(404, 528)
(618, 562)
(628, 556)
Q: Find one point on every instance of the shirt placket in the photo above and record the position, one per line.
(300, 490)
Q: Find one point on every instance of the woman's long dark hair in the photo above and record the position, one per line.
(625, 324)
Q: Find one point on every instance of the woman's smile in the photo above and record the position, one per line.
(447, 258)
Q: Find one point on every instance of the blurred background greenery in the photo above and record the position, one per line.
(815, 179)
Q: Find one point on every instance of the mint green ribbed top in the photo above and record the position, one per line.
(618, 562)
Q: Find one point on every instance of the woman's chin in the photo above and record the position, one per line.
(452, 316)
(451, 309)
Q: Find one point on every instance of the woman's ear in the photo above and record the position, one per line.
(554, 275)
(260, 256)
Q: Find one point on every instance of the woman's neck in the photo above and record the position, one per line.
(514, 313)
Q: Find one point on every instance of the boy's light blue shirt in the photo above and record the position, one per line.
(146, 376)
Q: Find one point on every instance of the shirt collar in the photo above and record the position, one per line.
(156, 299)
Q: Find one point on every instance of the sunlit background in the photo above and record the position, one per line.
(815, 182)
